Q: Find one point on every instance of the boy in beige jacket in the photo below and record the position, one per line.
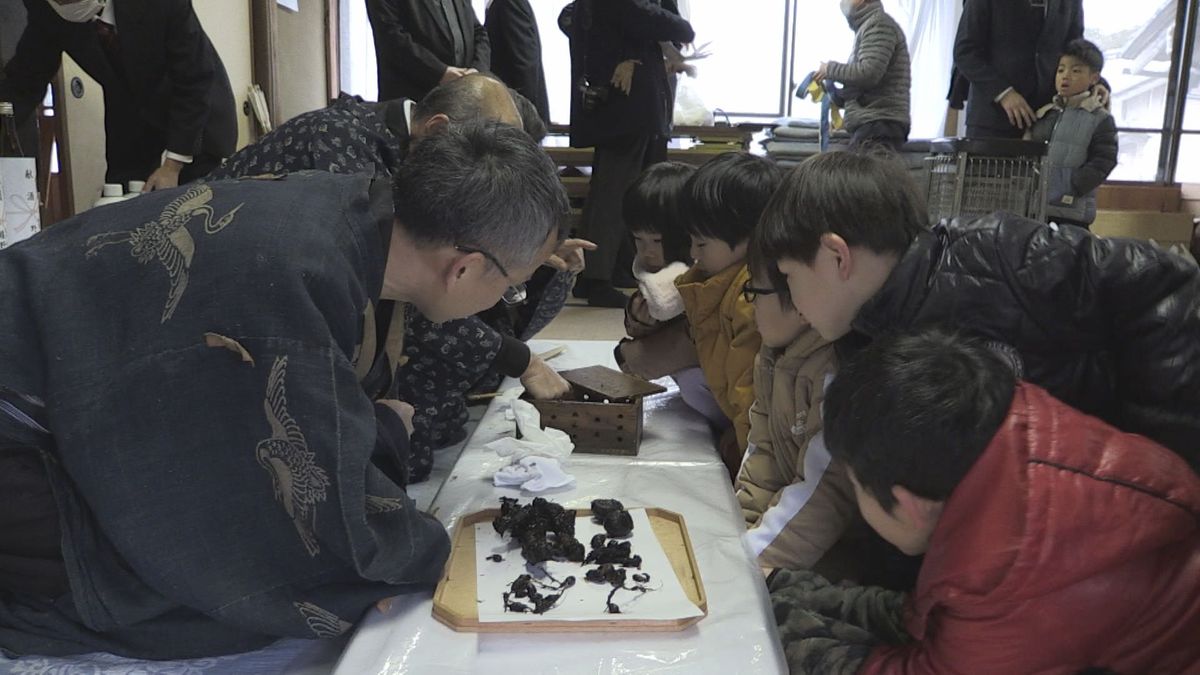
(796, 501)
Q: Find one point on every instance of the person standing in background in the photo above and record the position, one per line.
(617, 41)
(168, 107)
(1008, 50)
(878, 74)
(517, 51)
(420, 44)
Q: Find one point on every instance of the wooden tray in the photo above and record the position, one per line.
(455, 601)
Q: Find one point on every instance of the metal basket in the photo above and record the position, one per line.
(974, 177)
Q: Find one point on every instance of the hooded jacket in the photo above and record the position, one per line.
(1067, 545)
(726, 339)
(879, 70)
(797, 502)
(1109, 326)
(1083, 151)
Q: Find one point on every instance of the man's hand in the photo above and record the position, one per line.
(543, 382)
(404, 410)
(1020, 115)
(453, 73)
(569, 256)
(165, 176)
(822, 72)
(622, 77)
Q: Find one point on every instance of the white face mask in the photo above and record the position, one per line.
(847, 7)
(78, 12)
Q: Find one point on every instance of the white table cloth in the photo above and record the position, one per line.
(678, 469)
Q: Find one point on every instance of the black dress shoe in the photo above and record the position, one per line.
(582, 287)
(604, 295)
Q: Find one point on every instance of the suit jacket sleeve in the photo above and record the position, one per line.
(1076, 30)
(513, 25)
(972, 46)
(417, 60)
(36, 59)
(483, 46)
(192, 72)
(643, 20)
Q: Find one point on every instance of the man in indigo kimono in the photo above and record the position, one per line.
(434, 365)
(180, 375)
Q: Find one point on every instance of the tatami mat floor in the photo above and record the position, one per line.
(577, 321)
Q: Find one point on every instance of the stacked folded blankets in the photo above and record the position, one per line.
(794, 140)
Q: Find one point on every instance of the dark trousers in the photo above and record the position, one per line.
(880, 134)
(615, 165)
(1007, 131)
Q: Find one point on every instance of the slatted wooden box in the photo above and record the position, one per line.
(603, 412)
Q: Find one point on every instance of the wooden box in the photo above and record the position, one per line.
(603, 412)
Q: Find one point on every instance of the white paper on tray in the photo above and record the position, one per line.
(585, 601)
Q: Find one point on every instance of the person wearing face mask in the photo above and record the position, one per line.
(877, 77)
(168, 107)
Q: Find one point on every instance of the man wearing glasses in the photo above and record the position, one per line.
(180, 396)
(468, 354)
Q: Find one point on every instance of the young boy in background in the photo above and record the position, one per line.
(1108, 326)
(796, 501)
(722, 203)
(1082, 136)
(1053, 542)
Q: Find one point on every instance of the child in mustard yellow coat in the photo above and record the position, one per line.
(722, 203)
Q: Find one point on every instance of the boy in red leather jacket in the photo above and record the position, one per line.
(1053, 542)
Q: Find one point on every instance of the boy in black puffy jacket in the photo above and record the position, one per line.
(1108, 326)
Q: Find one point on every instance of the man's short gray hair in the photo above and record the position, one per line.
(481, 184)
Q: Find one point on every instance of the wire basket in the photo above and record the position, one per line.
(973, 177)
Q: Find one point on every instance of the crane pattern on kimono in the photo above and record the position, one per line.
(298, 482)
(168, 239)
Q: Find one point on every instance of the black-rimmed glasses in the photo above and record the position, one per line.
(750, 293)
(514, 294)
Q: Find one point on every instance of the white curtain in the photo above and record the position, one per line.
(930, 26)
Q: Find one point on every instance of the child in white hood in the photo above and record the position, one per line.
(658, 344)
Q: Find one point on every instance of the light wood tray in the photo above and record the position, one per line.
(455, 601)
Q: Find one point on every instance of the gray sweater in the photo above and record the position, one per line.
(877, 78)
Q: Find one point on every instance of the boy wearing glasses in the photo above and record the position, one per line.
(796, 501)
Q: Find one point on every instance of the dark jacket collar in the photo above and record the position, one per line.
(906, 287)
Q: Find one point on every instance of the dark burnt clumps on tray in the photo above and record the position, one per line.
(525, 595)
(546, 531)
(612, 515)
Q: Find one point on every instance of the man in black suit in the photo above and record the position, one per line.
(168, 109)
(420, 44)
(517, 51)
(627, 123)
(1008, 50)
